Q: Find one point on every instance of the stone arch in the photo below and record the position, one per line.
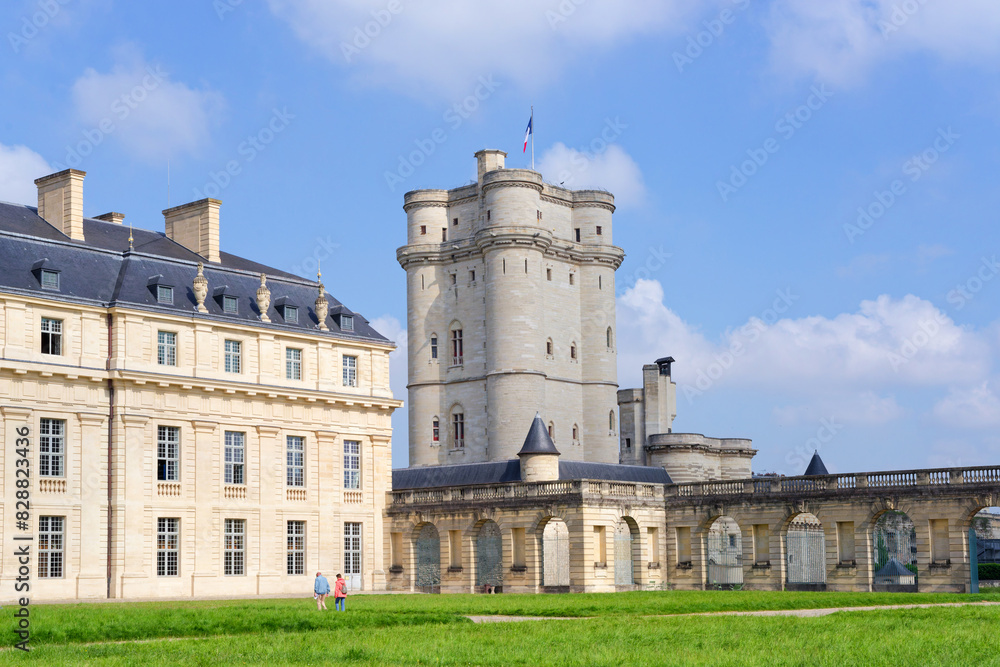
(893, 545)
(611, 422)
(627, 551)
(611, 338)
(427, 550)
(980, 536)
(489, 555)
(723, 551)
(553, 546)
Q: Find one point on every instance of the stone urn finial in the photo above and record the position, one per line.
(322, 306)
(201, 288)
(263, 299)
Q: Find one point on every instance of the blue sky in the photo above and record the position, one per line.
(806, 191)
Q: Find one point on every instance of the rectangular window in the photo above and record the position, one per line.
(423, 229)
(434, 347)
(350, 371)
(295, 463)
(454, 279)
(166, 348)
(291, 314)
(51, 336)
(548, 274)
(454, 222)
(230, 305)
(517, 542)
(352, 464)
(436, 430)
(396, 550)
(599, 230)
(352, 551)
(168, 444)
(50, 280)
(572, 278)
(472, 276)
(455, 548)
(654, 544)
(165, 294)
(296, 547)
(458, 429)
(51, 447)
(539, 217)
(167, 547)
(600, 545)
(234, 547)
(293, 364)
(50, 546)
(457, 348)
(444, 234)
(347, 323)
(235, 457)
(487, 214)
(233, 348)
(683, 545)
(577, 231)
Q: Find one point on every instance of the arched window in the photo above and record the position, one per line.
(458, 427)
(457, 344)
(576, 433)
(611, 421)
(436, 430)
(572, 351)
(552, 431)
(548, 347)
(434, 346)
(611, 338)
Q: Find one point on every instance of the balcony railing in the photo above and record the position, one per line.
(495, 492)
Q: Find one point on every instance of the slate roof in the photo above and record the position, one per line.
(501, 472)
(538, 440)
(815, 466)
(100, 270)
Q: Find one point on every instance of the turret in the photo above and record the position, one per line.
(539, 456)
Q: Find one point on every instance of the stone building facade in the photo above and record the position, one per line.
(510, 310)
(196, 424)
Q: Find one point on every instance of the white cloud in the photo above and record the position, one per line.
(612, 169)
(887, 343)
(837, 41)
(447, 45)
(865, 407)
(19, 167)
(138, 105)
(975, 407)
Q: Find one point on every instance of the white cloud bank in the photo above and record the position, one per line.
(19, 167)
(447, 45)
(611, 169)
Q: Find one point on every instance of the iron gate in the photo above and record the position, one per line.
(805, 556)
(428, 577)
(623, 555)
(895, 554)
(489, 556)
(725, 559)
(555, 554)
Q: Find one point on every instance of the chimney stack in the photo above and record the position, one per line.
(113, 217)
(196, 227)
(488, 159)
(60, 201)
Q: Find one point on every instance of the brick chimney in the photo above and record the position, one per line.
(196, 227)
(60, 201)
(112, 217)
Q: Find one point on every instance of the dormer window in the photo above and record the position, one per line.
(291, 314)
(347, 323)
(165, 294)
(230, 305)
(50, 279)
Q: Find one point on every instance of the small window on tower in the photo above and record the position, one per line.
(599, 230)
(548, 274)
(487, 214)
(423, 230)
(454, 278)
(539, 215)
(472, 276)
(454, 222)
(572, 278)
(444, 234)
(577, 231)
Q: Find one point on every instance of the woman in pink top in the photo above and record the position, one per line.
(339, 593)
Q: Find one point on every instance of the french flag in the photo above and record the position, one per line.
(527, 133)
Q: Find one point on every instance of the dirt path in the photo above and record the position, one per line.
(804, 613)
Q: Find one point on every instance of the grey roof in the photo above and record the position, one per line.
(816, 466)
(538, 440)
(893, 568)
(502, 472)
(101, 270)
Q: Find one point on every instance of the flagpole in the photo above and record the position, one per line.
(532, 138)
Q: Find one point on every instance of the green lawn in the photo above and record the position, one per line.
(432, 630)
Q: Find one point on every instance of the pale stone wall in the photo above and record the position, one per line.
(534, 283)
(204, 402)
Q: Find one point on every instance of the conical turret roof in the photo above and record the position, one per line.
(538, 440)
(816, 466)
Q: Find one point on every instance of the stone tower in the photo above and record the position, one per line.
(510, 311)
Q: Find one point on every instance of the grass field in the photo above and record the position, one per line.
(640, 628)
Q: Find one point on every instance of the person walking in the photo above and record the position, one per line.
(339, 593)
(321, 588)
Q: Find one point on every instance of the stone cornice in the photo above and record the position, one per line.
(452, 251)
(537, 187)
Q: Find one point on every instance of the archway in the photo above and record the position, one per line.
(489, 557)
(555, 556)
(428, 574)
(626, 534)
(894, 553)
(725, 553)
(805, 553)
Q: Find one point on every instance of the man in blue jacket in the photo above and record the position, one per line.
(321, 588)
